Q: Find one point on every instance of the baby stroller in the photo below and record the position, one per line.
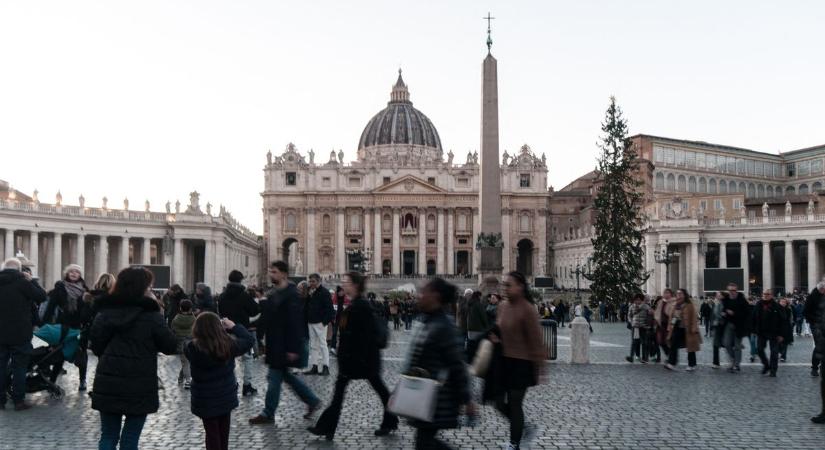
(46, 362)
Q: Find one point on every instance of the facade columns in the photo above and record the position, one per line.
(422, 242)
(311, 249)
(34, 252)
(542, 242)
(220, 261)
(476, 232)
(209, 263)
(274, 235)
(745, 264)
(723, 255)
(124, 253)
(507, 250)
(813, 260)
(366, 223)
(439, 243)
(102, 255)
(396, 241)
(377, 264)
(693, 272)
(9, 247)
(178, 259)
(80, 252)
(57, 258)
(650, 264)
(146, 251)
(451, 241)
(340, 250)
(790, 275)
(767, 272)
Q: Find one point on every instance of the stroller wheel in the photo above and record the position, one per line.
(58, 393)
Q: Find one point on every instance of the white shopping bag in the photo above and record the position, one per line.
(414, 398)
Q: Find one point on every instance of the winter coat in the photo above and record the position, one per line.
(690, 322)
(770, 320)
(319, 306)
(283, 326)
(813, 307)
(171, 304)
(358, 352)
(741, 314)
(438, 352)
(19, 297)
(127, 335)
(182, 325)
(78, 318)
(639, 315)
(477, 319)
(237, 305)
(214, 387)
(203, 302)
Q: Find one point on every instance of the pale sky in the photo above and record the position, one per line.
(152, 99)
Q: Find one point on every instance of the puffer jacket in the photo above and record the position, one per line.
(18, 299)
(437, 351)
(127, 335)
(640, 315)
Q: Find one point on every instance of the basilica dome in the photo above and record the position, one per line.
(399, 123)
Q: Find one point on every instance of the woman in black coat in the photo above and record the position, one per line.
(67, 307)
(127, 334)
(359, 357)
(436, 353)
(212, 353)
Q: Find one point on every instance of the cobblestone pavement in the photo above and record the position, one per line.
(607, 404)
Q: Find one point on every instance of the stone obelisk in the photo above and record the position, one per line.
(489, 243)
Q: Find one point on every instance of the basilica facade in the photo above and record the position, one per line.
(403, 207)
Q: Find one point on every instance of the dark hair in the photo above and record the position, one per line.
(358, 280)
(208, 335)
(685, 293)
(132, 282)
(235, 276)
(281, 266)
(523, 282)
(338, 289)
(733, 283)
(668, 290)
(476, 295)
(314, 276)
(447, 292)
(639, 296)
(185, 305)
(724, 294)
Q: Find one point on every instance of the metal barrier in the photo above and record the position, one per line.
(549, 331)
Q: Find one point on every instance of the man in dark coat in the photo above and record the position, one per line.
(19, 295)
(237, 305)
(816, 317)
(771, 326)
(735, 313)
(283, 325)
(319, 313)
(813, 307)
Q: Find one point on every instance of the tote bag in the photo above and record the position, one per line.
(415, 398)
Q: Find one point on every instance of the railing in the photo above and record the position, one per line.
(739, 221)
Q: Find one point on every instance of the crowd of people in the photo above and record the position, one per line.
(291, 327)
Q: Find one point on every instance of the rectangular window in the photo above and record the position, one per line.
(731, 165)
(326, 182)
(354, 181)
(771, 213)
(291, 178)
(353, 241)
(816, 166)
(757, 169)
(737, 203)
(700, 160)
(462, 182)
(680, 158)
(431, 241)
(524, 180)
(750, 167)
(804, 168)
(703, 205)
(431, 180)
(717, 204)
(751, 215)
(669, 155)
(740, 166)
(386, 180)
(462, 241)
(712, 162)
(690, 159)
(388, 241)
(658, 154)
(790, 169)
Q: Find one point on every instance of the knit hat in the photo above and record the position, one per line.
(468, 292)
(73, 267)
(235, 276)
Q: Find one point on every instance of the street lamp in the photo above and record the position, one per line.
(666, 257)
(581, 271)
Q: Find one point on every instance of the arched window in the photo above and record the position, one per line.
(816, 187)
(703, 185)
(671, 182)
(660, 181)
(803, 189)
(326, 223)
(723, 187)
(778, 191)
(742, 188)
(712, 186)
(409, 222)
(682, 183)
(524, 223)
(769, 191)
(291, 222)
(751, 190)
(692, 184)
(760, 191)
(732, 187)
(790, 190)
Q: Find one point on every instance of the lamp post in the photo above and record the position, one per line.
(664, 256)
(581, 271)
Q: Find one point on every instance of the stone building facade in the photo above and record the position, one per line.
(403, 205)
(713, 206)
(197, 245)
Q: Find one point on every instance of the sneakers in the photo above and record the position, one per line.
(325, 372)
(669, 367)
(644, 361)
(385, 431)
(765, 370)
(628, 359)
(690, 369)
(261, 419)
(313, 371)
(311, 410)
(753, 358)
(529, 435)
(715, 366)
(248, 390)
(187, 384)
(818, 419)
(814, 373)
(318, 432)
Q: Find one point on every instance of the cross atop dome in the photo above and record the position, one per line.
(399, 93)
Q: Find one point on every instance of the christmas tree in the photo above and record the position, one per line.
(618, 270)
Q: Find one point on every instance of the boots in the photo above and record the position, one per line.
(249, 390)
(314, 371)
(325, 372)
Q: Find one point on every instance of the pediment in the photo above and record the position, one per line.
(409, 184)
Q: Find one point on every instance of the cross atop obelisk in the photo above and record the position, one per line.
(489, 19)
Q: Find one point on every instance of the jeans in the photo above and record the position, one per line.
(328, 422)
(318, 351)
(718, 334)
(217, 432)
(773, 364)
(425, 439)
(678, 340)
(114, 429)
(638, 346)
(510, 405)
(19, 356)
(246, 364)
(752, 341)
(733, 344)
(273, 391)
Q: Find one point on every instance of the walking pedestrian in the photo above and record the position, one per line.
(127, 334)
(735, 313)
(477, 323)
(20, 294)
(706, 314)
(523, 355)
(492, 307)
(788, 324)
(320, 313)
(662, 318)
(683, 331)
(202, 299)
(237, 305)
(771, 327)
(718, 325)
(359, 358)
(435, 351)
(182, 327)
(814, 308)
(638, 315)
(283, 325)
(212, 351)
(171, 302)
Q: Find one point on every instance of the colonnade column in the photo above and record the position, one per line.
(542, 242)
(123, 257)
(274, 235)
(745, 264)
(34, 251)
(790, 282)
(505, 234)
(178, 261)
(650, 264)
(439, 243)
(366, 222)
(693, 273)
(340, 246)
(80, 253)
(422, 241)
(220, 260)
(723, 255)
(377, 263)
(767, 272)
(476, 232)
(451, 241)
(57, 258)
(9, 247)
(310, 248)
(102, 256)
(396, 241)
(209, 264)
(146, 251)
(813, 263)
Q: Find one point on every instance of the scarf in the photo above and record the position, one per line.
(74, 291)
